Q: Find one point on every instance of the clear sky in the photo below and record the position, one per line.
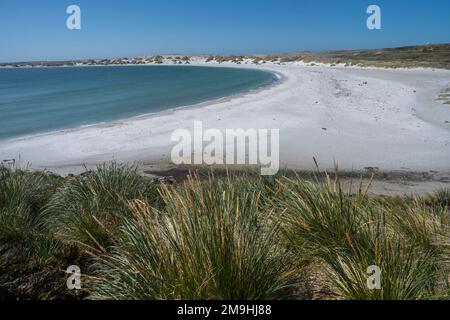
(36, 29)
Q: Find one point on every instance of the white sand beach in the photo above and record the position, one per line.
(357, 117)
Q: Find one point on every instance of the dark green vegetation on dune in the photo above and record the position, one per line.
(235, 237)
(427, 56)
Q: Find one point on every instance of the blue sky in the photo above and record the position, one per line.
(36, 29)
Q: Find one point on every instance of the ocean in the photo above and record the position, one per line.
(38, 100)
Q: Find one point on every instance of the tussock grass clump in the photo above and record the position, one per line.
(351, 232)
(420, 225)
(31, 259)
(23, 194)
(441, 197)
(88, 208)
(317, 217)
(405, 273)
(212, 240)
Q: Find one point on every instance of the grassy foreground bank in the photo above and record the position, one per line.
(236, 237)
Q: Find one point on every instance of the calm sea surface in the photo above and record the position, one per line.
(46, 99)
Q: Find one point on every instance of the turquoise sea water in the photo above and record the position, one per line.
(46, 99)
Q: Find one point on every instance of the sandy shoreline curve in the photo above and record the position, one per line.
(358, 117)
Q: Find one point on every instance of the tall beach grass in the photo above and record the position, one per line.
(212, 240)
(238, 236)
